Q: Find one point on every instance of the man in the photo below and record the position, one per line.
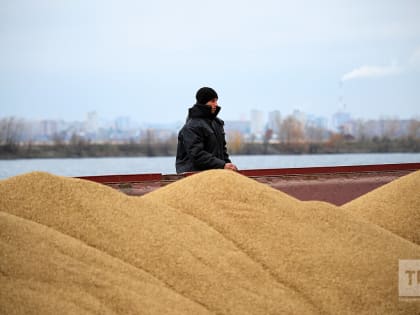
(201, 141)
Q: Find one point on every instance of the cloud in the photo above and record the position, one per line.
(369, 71)
(372, 72)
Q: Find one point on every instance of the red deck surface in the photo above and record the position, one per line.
(336, 184)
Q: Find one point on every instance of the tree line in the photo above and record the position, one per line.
(291, 137)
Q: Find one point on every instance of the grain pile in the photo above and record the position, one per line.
(46, 272)
(394, 206)
(216, 242)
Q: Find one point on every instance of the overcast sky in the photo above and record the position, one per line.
(145, 59)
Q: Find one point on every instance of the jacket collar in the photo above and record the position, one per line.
(202, 111)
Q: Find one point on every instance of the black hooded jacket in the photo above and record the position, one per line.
(201, 141)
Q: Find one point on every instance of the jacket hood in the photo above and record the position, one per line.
(202, 111)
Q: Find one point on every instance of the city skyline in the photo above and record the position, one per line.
(257, 124)
(264, 133)
(243, 116)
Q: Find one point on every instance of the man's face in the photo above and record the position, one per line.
(213, 104)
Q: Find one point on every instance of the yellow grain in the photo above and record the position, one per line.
(394, 206)
(216, 242)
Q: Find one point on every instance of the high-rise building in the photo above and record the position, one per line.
(341, 121)
(122, 123)
(91, 122)
(317, 121)
(48, 127)
(299, 116)
(274, 121)
(257, 123)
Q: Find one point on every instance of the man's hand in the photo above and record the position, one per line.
(230, 166)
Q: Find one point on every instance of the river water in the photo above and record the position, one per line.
(166, 165)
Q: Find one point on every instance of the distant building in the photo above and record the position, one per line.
(299, 116)
(341, 121)
(48, 127)
(122, 123)
(257, 123)
(91, 122)
(274, 121)
(390, 128)
(317, 121)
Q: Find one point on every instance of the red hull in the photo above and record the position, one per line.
(335, 184)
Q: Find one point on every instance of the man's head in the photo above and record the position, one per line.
(207, 96)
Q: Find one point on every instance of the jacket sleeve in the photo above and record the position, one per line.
(225, 154)
(193, 139)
